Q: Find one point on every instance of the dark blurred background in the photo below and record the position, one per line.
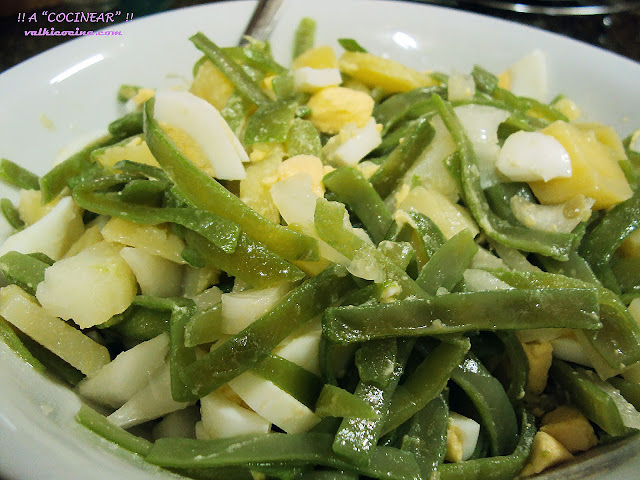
(610, 24)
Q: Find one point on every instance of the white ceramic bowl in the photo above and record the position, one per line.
(74, 87)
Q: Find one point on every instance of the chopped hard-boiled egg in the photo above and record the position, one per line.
(481, 124)
(462, 437)
(296, 200)
(570, 427)
(239, 309)
(546, 452)
(460, 87)
(563, 217)
(307, 79)
(303, 348)
(151, 402)
(334, 107)
(539, 355)
(531, 156)
(134, 149)
(274, 404)
(306, 164)
(352, 144)
(98, 273)
(596, 172)
(528, 77)
(223, 418)
(430, 169)
(204, 124)
(119, 380)
(142, 95)
(52, 234)
(318, 57)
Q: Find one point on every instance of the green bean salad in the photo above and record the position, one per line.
(341, 269)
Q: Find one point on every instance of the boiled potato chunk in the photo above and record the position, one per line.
(156, 276)
(596, 172)
(211, 85)
(391, 76)
(153, 239)
(90, 287)
(74, 347)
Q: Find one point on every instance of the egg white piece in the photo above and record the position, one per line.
(352, 144)
(529, 76)
(533, 156)
(468, 431)
(205, 125)
(307, 79)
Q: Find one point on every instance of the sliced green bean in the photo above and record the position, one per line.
(127, 126)
(387, 177)
(556, 245)
(23, 270)
(56, 179)
(236, 75)
(351, 45)
(329, 223)
(336, 402)
(426, 382)
(617, 342)
(601, 242)
(352, 189)
(446, 267)
(356, 438)
(11, 214)
(206, 193)
(427, 436)
(465, 312)
(303, 139)
(304, 36)
(99, 425)
(301, 384)
(271, 122)
(495, 468)
(298, 449)
(250, 262)
(592, 401)
(492, 403)
(221, 232)
(255, 342)
(13, 174)
(204, 327)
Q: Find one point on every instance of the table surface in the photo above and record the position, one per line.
(617, 32)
